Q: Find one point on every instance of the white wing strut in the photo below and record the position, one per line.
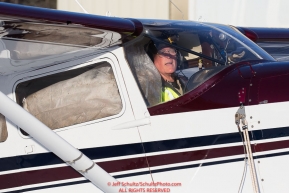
(56, 144)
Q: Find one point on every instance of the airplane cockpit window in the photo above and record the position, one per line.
(3, 129)
(72, 97)
(145, 72)
(172, 59)
(31, 44)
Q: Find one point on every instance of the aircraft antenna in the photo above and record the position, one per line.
(81, 6)
(177, 9)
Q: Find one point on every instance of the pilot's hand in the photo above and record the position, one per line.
(234, 57)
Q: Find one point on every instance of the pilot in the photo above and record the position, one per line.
(165, 58)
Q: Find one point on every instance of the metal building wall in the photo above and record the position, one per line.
(158, 9)
(179, 9)
(256, 13)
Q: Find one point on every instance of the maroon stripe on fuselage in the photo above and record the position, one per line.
(65, 173)
(181, 157)
(271, 146)
(37, 176)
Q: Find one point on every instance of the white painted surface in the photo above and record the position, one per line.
(257, 13)
(119, 8)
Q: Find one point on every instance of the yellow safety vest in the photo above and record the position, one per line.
(168, 94)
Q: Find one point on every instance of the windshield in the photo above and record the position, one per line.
(218, 43)
(181, 55)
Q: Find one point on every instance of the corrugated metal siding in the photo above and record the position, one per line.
(157, 9)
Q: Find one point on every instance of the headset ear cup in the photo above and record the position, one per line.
(180, 59)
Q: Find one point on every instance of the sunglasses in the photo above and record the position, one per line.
(167, 52)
